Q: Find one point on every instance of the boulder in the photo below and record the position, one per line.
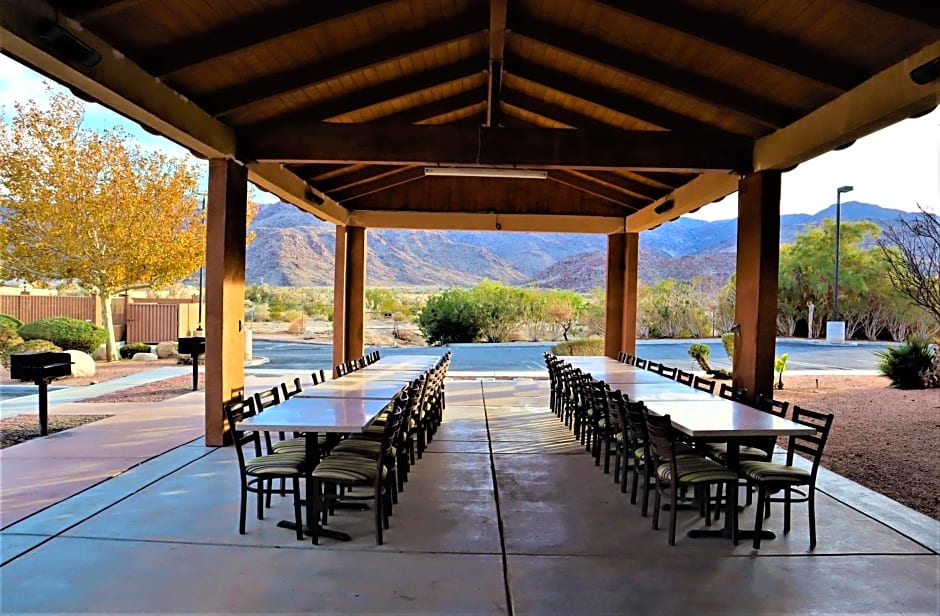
(101, 353)
(144, 357)
(167, 349)
(83, 365)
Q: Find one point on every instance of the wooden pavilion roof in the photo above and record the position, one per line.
(638, 111)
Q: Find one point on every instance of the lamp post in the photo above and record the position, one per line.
(835, 288)
(199, 331)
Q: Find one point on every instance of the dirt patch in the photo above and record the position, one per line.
(156, 391)
(21, 428)
(885, 439)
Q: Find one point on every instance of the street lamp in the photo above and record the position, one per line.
(835, 288)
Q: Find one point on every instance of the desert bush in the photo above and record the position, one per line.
(26, 347)
(8, 319)
(296, 325)
(66, 333)
(581, 346)
(700, 353)
(452, 316)
(727, 339)
(8, 335)
(129, 350)
(905, 364)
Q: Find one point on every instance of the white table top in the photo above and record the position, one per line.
(723, 418)
(402, 361)
(397, 376)
(318, 415)
(341, 388)
(616, 376)
(593, 361)
(669, 390)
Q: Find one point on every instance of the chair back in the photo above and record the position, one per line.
(730, 392)
(289, 391)
(598, 394)
(653, 366)
(635, 413)
(318, 376)
(668, 372)
(268, 398)
(621, 357)
(769, 405)
(236, 411)
(661, 441)
(640, 363)
(361, 363)
(616, 411)
(811, 445)
(684, 378)
(341, 370)
(391, 434)
(704, 384)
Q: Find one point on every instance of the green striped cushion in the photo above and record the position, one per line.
(696, 469)
(368, 447)
(720, 451)
(275, 464)
(346, 469)
(770, 472)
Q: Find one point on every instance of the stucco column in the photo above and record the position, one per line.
(355, 291)
(613, 315)
(225, 291)
(339, 298)
(758, 259)
(631, 257)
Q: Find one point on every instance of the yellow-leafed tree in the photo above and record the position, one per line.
(92, 207)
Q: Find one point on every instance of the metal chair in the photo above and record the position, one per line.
(684, 378)
(704, 384)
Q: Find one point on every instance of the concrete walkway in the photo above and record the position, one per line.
(505, 514)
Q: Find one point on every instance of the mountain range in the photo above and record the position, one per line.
(293, 248)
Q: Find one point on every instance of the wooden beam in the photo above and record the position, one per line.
(553, 112)
(437, 108)
(394, 178)
(745, 39)
(614, 296)
(630, 295)
(668, 179)
(886, 98)
(702, 190)
(604, 96)
(243, 33)
(356, 255)
(315, 172)
(706, 89)
(588, 185)
(361, 175)
(923, 11)
(90, 10)
(457, 145)
(497, 36)
(339, 298)
(398, 45)
(288, 187)
(630, 186)
(455, 221)
(374, 95)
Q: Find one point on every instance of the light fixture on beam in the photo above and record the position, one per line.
(664, 207)
(487, 172)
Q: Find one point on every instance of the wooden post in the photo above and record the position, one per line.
(339, 298)
(225, 291)
(631, 257)
(755, 306)
(355, 291)
(616, 275)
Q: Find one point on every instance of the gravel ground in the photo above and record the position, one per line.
(21, 428)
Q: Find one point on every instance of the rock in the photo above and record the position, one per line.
(83, 365)
(101, 353)
(167, 349)
(144, 357)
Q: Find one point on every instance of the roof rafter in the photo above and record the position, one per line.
(386, 181)
(362, 175)
(438, 107)
(733, 34)
(579, 182)
(701, 87)
(924, 11)
(461, 145)
(374, 95)
(399, 45)
(624, 184)
(88, 10)
(247, 32)
(497, 34)
(606, 97)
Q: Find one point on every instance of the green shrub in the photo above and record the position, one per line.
(582, 346)
(66, 333)
(700, 353)
(904, 364)
(7, 319)
(26, 347)
(727, 339)
(8, 336)
(129, 350)
(452, 316)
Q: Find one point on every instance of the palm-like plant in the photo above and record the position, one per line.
(905, 364)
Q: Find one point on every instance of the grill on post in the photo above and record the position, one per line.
(193, 346)
(40, 367)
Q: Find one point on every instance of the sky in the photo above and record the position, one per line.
(897, 167)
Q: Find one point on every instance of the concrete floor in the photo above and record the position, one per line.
(505, 513)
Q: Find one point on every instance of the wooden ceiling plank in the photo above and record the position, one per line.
(399, 45)
(549, 111)
(769, 47)
(453, 221)
(458, 145)
(701, 87)
(367, 97)
(924, 11)
(387, 181)
(244, 33)
(90, 10)
(598, 190)
(362, 175)
(605, 97)
(318, 171)
(437, 108)
(633, 187)
(497, 34)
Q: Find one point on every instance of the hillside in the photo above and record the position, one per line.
(293, 248)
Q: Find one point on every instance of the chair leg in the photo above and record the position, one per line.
(647, 478)
(733, 506)
(606, 456)
(759, 516)
(672, 516)
(261, 492)
(811, 505)
(787, 499)
(298, 517)
(317, 505)
(243, 511)
(657, 502)
(379, 519)
(617, 457)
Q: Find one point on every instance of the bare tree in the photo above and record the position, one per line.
(912, 252)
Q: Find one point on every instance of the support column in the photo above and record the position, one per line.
(613, 315)
(355, 291)
(339, 298)
(225, 291)
(758, 259)
(631, 260)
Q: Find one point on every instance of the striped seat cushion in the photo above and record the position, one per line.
(360, 446)
(769, 472)
(346, 469)
(696, 469)
(275, 464)
(295, 444)
(720, 452)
